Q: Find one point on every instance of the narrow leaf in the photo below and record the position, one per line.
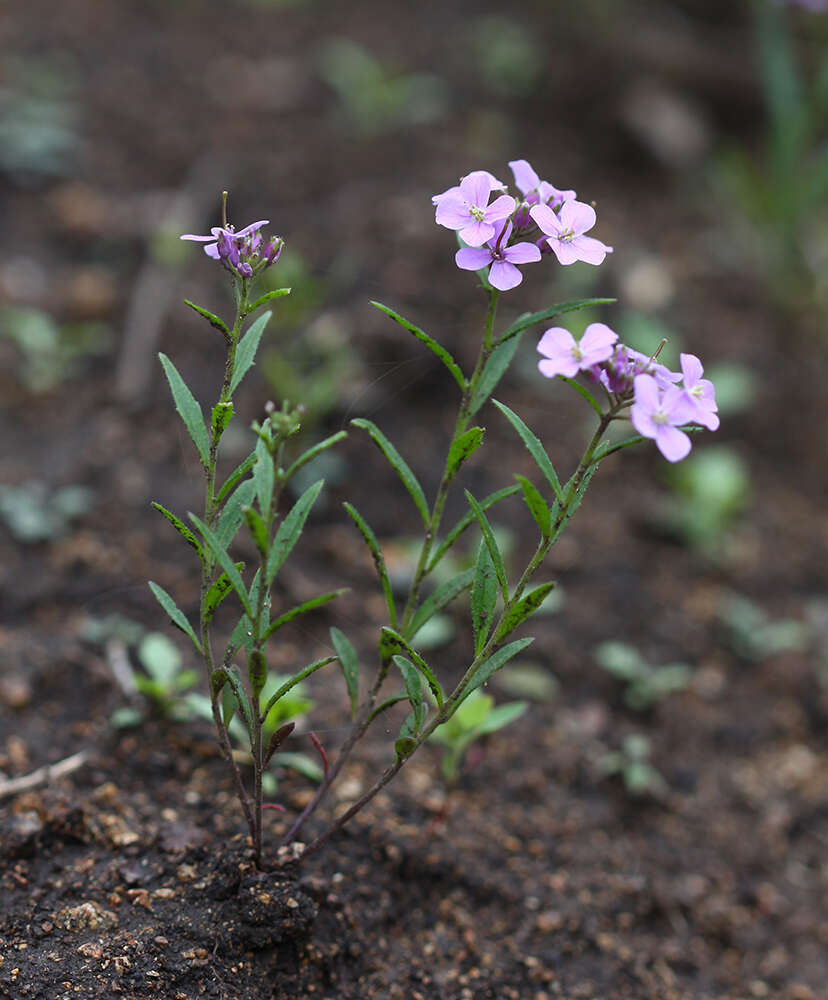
(496, 366)
(461, 449)
(608, 449)
(467, 520)
(492, 665)
(257, 529)
(236, 475)
(264, 476)
(228, 705)
(290, 529)
(523, 609)
(217, 592)
(311, 668)
(399, 465)
(181, 528)
(530, 319)
(221, 416)
(413, 689)
(534, 447)
(246, 351)
(242, 636)
(347, 657)
(234, 680)
(418, 661)
(537, 506)
(301, 609)
(483, 597)
(500, 717)
(442, 596)
(311, 453)
(225, 562)
(277, 293)
(211, 318)
(491, 544)
(277, 739)
(437, 349)
(379, 561)
(188, 409)
(232, 515)
(176, 615)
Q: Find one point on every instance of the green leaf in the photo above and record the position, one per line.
(414, 691)
(290, 529)
(246, 351)
(301, 609)
(467, 520)
(181, 528)
(379, 561)
(238, 473)
(499, 361)
(311, 668)
(225, 562)
(257, 529)
(437, 349)
(405, 746)
(492, 665)
(234, 680)
(217, 592)
(491, 544)
(394, 636)
(347, 657)
(264, 476)
(232, 514)
(537, 506)
(535, 449)
(608, 449)
(277, 293)
(399, 465)
(461, 449)
(214, 320)
(242, 636)
(228, 705)
(221, 416)
(593, 402)
(442, 596)
(311, 453)
(501, 717)
(523, 609)
(530, 319)
(176, 615)
(188, 409)
(483, 597)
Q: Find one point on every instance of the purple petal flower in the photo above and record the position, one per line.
(503, 273)
(467, 209)
(657, 414)
(566, 232)
(240, 252)
(563, 355)
(533, 189)
(700, 392)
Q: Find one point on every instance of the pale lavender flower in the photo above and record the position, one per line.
(225, 237)
(243, 252)
(658, 414)
(500, 258)
(700, 392)
(563, 355)
(617, 374)
(454, 192)
(467, 209)
(565, 232)
(534, 190)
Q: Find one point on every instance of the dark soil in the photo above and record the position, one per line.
(537, 877)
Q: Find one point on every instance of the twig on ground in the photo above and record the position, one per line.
(43, 775)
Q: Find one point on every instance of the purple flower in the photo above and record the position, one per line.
(566, 232)
(534, 190)
(466, 208)
(226, 238)
(658, 413)
(700, 392)
(499, 258)
(566, 356)
(618, 372)
(244, 252)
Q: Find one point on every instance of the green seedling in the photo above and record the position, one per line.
(34, 514)
(754, 636)
(646, 685)
(476, 717)
(632, 763)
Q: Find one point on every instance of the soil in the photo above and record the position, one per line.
(538, 877)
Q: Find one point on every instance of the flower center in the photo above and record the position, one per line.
(660, 418)
(477, 213)
(567, 236)
(577, 353)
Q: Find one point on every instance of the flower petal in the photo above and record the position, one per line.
(522, 253)
(452, 212)
(646, 393)
(577, 216)
(558, 366)
(500, 208)
(476, 233)
(476, 187)
(556, 342)
(691, 369)
(546, 220)
(472, 259)
(503, 275)
(598, 338)
(673, 444)
(589, 250)
(525, 177)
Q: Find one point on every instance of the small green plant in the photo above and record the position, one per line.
(645, 685)
(33, 513)
(475, 718)
(632, 764)
(753, 635)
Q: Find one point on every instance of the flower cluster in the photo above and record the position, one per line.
(660, 401)
(495, 231)
(245, 253)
